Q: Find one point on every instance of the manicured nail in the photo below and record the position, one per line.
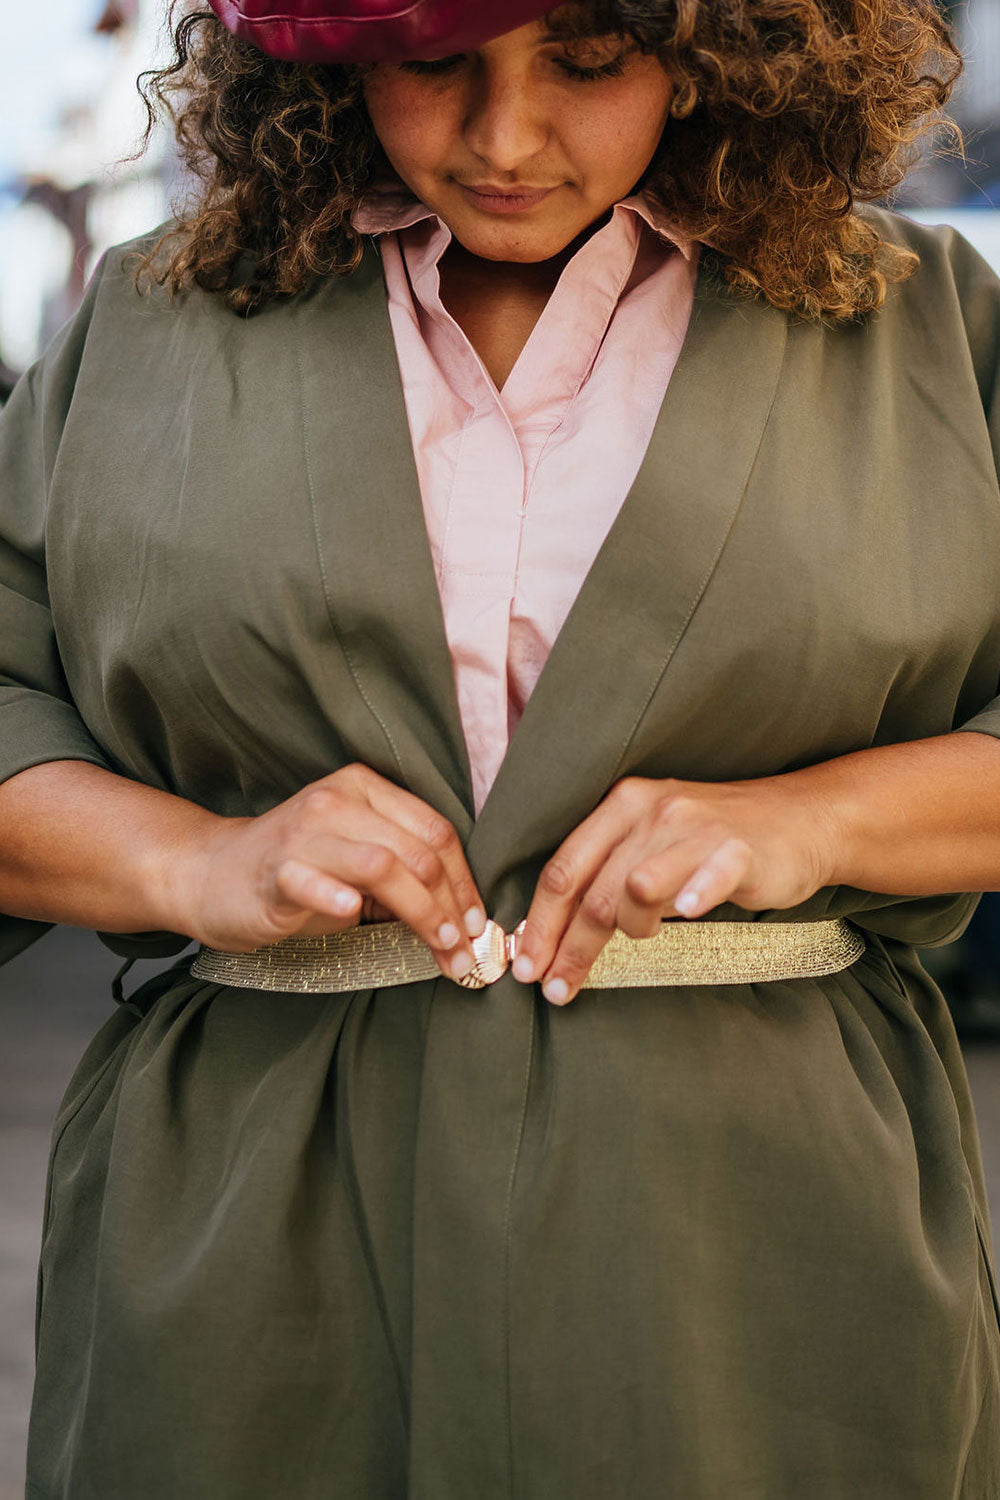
(475, 921)
(460, 965)
(556, 991)
(687, 902)
(448, 935)
(523, 969)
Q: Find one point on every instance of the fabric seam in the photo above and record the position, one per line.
(987, 1264)
(991, 1382)
(360, 21)
(508, 1238)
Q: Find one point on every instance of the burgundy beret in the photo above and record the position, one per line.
(318, 31)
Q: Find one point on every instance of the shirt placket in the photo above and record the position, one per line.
(553, 369)
(479, 537)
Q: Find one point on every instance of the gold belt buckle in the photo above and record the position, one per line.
(495, 951)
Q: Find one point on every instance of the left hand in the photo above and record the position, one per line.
(662, 849)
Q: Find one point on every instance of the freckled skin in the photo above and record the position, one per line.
(510, 116)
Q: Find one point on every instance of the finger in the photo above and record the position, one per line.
(377, 870)
(564, 880)
(592, 925)
(650, 884)
(706, 880)
(374, 911)
(609, 905)
(301, 890)
(431, 828)
(717, 877)
(365, 823)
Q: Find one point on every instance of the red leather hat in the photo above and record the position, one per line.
(330, 31)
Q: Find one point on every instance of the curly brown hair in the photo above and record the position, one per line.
(785, 115)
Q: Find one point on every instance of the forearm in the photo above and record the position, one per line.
(917, 819)
(81, 845)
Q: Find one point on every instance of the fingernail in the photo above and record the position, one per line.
(345, 901)
(460, 965)
(475, 921)
(687, 902)
(448, 935)
(523, 969)
(556, 991)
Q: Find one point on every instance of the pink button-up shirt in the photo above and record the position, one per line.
(520, 486)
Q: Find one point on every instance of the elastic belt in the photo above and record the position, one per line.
(682, 953)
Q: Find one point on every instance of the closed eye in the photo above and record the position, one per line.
(440, 66)
(613, 69)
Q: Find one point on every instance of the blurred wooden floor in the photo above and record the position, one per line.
(52, 1000)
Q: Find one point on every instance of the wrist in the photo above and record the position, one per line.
(175, 876)
(831, 810)
(825, 811)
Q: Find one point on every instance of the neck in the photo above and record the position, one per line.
(462, 271)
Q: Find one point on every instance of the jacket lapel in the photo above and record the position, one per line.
(626, 623)
(375, 557)
(642, 590)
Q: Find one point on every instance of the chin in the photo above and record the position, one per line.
(519, 256)
(521, 248)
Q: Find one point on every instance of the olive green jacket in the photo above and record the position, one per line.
(719, 1244)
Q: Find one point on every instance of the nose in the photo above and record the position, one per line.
(505, 123)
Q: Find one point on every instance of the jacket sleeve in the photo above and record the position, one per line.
(38, 720)
(979, 291)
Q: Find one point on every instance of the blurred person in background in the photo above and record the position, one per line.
(532, 478)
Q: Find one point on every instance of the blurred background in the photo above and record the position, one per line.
(69, 115)
(70, 112)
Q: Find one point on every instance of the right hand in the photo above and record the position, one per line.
(352, 844)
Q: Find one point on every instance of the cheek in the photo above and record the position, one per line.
(411, 134)
(650, 122)
(618, 143)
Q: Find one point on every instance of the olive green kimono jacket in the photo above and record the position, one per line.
(713, 1243)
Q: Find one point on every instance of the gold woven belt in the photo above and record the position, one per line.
(688, 953)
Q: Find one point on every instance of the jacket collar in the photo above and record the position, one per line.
(627, 623)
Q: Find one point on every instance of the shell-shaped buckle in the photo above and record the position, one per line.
(495, 951)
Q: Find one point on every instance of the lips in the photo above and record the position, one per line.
(505, 199)
(519, 190)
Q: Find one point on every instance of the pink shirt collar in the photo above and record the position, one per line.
(390, 207)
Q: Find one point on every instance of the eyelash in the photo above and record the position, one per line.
(613, 69)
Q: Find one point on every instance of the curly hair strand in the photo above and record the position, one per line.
(785, 115)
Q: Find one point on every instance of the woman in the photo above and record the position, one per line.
(624, 437)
